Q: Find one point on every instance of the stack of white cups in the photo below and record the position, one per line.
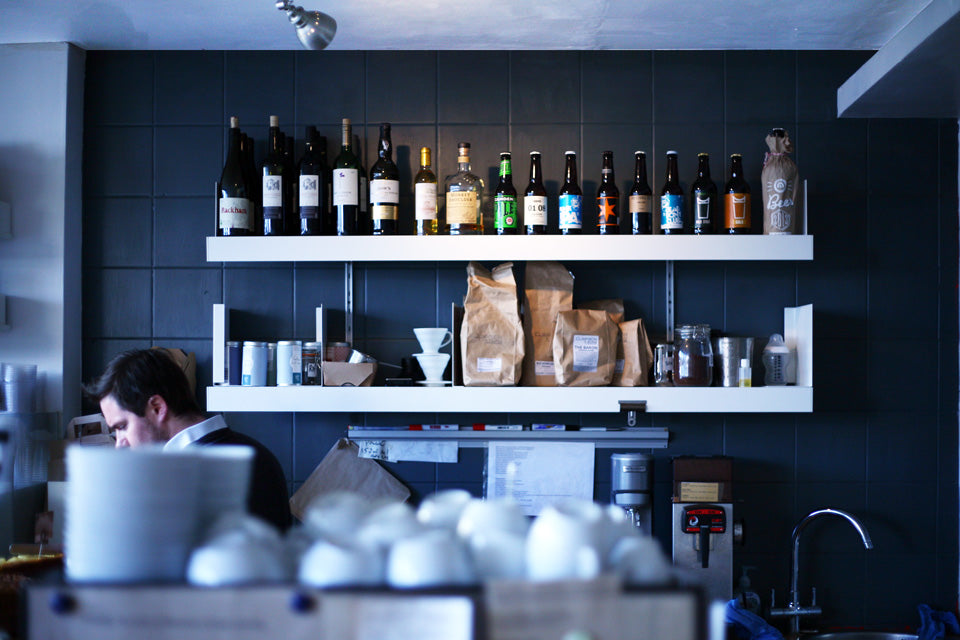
(432, 362)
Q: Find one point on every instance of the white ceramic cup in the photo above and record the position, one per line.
(234, 561)
(566, 541)
(432, 339)
(442, 510)
(330, 564)
(498, 555)
(386, 524)
(484, 516)
(335, 515)
(434, 558)
(433, 365)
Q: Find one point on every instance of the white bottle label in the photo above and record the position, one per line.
(345, 187)
(425, 200)
(384, 191)
(235, 213)
(272, 191)
(489, 365)
(586, 352)
(309, 191)
(544, 368)
(534, 210)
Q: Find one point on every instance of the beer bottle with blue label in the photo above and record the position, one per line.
(736, 199)
(703, 194)
(608, 198)
(671, 199)
(571, 198)
(505, 200)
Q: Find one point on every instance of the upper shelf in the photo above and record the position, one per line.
(502, 248)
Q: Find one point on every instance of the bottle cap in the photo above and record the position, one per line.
(534, 153)
(274, 121)
(671, 153)
(639, 153)
(234, 122)
(744, 363)
(569, 153)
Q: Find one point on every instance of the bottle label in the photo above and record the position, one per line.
(384, 192)
(737, 210)
(607, 211)
(671, 212)
(586, 352)
(702, 204)
(641, 204)
(272, 191)
(425, 200)
(534, 210)
(383, 211)
(345, 187)
(505, 211)
(309, 191)
(462, 207)
(235, 213)
(571, 211)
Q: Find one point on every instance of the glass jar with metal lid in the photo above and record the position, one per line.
(692, 356)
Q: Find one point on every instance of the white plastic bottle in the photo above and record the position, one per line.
(746, 374)
(775, 358)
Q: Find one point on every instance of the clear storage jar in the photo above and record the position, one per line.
(692, 356)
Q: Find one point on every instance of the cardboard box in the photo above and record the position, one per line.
(346, 374)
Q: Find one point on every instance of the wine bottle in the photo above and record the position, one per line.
(608, 198)
(463, 195)
(250, 168)
(535, 199)
(571, 198)
(310, 197)
(641, 197)
(384, 187)
(233, 190)
(425, 197)
(276, 204)
(505, 200)
(346, 185)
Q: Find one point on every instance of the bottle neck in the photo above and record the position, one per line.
(346, 140)
(672, 169)
(703, 170)
(506, 171)
(276, 143)
(235, 142)
(571, 170)
(386, 148)
(425, 159)
(606, 172)
(736, 167)
(640, 169)
(535, 169)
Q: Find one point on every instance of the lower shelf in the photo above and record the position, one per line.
(646, 438)
(509, 399)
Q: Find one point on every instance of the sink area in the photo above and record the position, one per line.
(861, 635)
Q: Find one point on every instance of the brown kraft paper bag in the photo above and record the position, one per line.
(634, 356)
(585, 348)
(548, 291)
(613, 306)
(491, 337)
(781, 184)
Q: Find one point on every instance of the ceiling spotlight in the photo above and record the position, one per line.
(314, 28)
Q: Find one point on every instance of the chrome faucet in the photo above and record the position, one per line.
(794, 609)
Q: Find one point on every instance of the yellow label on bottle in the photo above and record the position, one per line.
(737, 210)
(462, 207)
(384, 212)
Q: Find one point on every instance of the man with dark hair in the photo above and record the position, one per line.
(145, 397)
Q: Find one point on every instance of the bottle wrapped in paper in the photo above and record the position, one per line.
(781, 193)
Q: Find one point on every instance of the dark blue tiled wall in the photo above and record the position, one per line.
(882, 441)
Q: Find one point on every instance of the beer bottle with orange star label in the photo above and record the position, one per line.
(608, 198)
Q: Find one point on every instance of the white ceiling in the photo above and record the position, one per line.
(480, 24)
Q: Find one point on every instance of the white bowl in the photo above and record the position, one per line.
(483, 516)
(432, 559)
(329, 564)
(442, 510)
(233, 562)
(336, 515)
(433, 364)
(566, 541)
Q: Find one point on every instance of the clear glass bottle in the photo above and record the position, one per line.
(463, 195)
(425, 197)
(692, 356)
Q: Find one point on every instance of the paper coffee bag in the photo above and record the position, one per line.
(634, 356)
(613, 306)
(491, 337)
(781, 190)
(548, 289)
(584, 348)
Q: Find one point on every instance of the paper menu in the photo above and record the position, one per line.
(535, 474)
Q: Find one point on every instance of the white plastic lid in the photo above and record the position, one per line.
(744, 363)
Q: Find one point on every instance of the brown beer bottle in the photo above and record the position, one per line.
(736, 199)
(608, 198)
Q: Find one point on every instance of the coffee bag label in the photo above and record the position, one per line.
(489, 365)
(586, 352)
(544, 368)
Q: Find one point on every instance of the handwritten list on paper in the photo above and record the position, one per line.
(535, 474)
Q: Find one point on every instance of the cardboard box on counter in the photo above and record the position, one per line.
(347, 374)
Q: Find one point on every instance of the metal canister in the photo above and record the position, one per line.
(271, 364)
(337, 352)
(233, 362)
(289, 363)
(311, 363)
(254, 365)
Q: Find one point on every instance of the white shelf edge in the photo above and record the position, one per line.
(503, 248)
(508, 399)
(646, 437)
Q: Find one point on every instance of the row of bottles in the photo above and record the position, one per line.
(314, 199)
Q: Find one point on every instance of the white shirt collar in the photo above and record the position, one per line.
(191, 434)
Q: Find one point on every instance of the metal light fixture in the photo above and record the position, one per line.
(314, 28)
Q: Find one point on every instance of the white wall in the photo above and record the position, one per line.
(41, 122)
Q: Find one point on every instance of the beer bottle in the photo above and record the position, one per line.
(641, 197)
(535, 199)
(608, 198)
(505, 200)
(736, 199)
(703, 194)
(571, 198)
(671, 199)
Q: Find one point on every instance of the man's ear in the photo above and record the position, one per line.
(157, 406)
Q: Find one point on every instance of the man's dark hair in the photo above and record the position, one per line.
(134, 376)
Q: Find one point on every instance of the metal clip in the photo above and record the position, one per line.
(631, 407)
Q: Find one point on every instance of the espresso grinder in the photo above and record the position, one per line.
(703, 527)
(632, 487)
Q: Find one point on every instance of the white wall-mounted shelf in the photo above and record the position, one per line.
(488, 400)
(502, 248)
(645, 437)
